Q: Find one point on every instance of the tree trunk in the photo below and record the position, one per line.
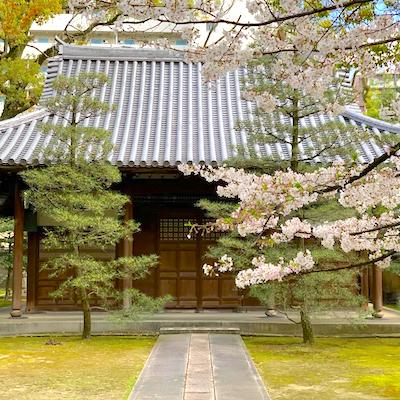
(308, 334)
(87, 318)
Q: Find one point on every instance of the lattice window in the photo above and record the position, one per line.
(179, 229)
(175, 229)
(210, 235)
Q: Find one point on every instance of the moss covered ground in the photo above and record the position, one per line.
(393, 306)
(3, 303)
(99, 368)
(332, 369)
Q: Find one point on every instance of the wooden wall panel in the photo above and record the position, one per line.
(45, 284)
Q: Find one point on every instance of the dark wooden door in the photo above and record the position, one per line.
(217, 291)
(178, 272)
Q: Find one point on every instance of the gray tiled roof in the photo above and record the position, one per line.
(163, 112)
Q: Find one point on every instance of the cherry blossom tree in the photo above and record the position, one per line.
(321, 34)
(267, 203)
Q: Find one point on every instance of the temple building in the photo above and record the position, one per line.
(164, 114)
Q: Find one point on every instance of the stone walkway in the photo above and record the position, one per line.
(199, 366)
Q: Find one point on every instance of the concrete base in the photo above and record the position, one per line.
(248, 323)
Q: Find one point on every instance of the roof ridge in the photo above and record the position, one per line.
(23, 117)
(118, 53)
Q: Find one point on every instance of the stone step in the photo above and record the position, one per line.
(200, 329)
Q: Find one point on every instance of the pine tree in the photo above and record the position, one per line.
(289, 117)
(75, 190)
(288, 124)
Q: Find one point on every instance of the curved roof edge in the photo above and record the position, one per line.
(373, 122)
(22, 118)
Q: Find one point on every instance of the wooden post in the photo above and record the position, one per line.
(365, 286)
(32, 270)
(18, 252)
(199, 277)
(377, 291)
(127, 251)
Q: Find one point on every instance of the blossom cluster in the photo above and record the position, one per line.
(266, 204)
(224, 264)
(263, 272)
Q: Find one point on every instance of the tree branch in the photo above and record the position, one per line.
(370, 167)
(350, 266)
(275, 19)
(378, 228)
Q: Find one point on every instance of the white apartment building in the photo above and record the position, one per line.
(43, 36)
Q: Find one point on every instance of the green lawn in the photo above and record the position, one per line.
(332, 369)
(393, 306)
(103, 368)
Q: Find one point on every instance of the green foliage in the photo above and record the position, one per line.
(327, 210)
(378, 99)
(84, 209)
(21, 83)
(141, 305)
(21, 80)
(6, 256)
(255, 164)
(74, 190)
(216, 208)
(288, 124)
(395, 267)
(16, 18)
(313, 292)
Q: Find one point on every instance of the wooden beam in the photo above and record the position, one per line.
(377, 291)
(32, 270)
(16, 310)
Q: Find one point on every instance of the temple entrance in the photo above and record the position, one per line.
(181, 257)
(180, 270)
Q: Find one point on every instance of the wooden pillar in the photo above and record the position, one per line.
(377, 291)
(32, 270)
(365, 286)
(127, 251)
(200, 273)
(16, 310)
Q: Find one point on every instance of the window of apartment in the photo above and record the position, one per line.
(96, 41)
(181, 42)
(129, 42)
(42, 39)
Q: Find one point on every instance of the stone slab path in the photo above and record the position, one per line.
(199, 366)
